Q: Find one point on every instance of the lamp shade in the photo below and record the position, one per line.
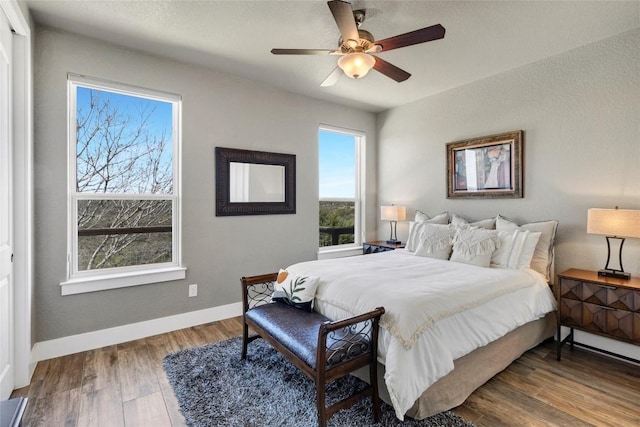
(393, 213)
(356, 65)
(614, 222)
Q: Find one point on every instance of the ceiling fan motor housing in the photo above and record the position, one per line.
(365, 43)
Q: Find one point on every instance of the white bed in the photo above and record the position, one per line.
(436, 311)
(438, 314)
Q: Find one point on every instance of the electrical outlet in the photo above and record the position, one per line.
(193, 290)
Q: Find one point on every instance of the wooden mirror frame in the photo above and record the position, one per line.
(225, 156)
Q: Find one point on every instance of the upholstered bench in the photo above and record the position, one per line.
(323, 349)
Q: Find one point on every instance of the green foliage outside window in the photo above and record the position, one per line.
(334, 218)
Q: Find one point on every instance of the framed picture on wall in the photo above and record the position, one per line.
(486, 167)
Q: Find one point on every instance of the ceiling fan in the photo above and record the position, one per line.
(356, 47)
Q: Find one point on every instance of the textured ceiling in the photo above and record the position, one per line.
(482, 38)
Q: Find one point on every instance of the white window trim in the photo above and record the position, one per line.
(122, 280)
(337, 251)
(340, 252)
(97, 280)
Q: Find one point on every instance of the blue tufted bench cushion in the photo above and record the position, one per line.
(298, 331)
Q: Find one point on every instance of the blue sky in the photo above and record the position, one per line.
(160, 120)
(159, 123)
(337, 158)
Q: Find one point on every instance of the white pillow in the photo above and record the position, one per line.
(474, 246)
(515, 250)
(421, 217)
(500, 258)
(433, 240)
(542, 256)
(297, 291)
(458, 221)
(442, 218)
(524, 245)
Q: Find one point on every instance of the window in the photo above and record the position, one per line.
(340, 188)
(124, 202)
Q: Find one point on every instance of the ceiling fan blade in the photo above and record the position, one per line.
(390, 70)
(332, 78)
(423, 35)
(343, 15)
(302, 51)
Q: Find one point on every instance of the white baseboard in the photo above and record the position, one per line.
(91, 340)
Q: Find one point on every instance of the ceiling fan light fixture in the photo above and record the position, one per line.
(356, 45)
(356, 65)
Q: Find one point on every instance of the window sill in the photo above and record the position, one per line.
(339, 252)
(121, 280)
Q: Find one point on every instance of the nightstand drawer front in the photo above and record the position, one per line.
(595, 294)
(609, 296)
(624, 299)
(571, 289)
(570, 312)
(594, 318)
(609, 321)
(620, 324)
(636, 327)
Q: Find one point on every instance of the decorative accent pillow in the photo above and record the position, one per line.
(542, 255)
(474, 246)
(433, 240)
(458, 221)
(524, 245)
(295, 290)
(515, 250)
(500, 258)
(421, 217)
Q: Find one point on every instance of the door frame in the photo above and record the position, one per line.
(22, 110)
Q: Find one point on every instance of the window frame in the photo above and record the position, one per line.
(359, 227)
(78, 281)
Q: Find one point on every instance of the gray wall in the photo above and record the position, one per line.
(580, 112)
(218, 110)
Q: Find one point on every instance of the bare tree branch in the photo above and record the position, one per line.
(119, 152)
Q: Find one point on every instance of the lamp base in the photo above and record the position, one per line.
(614, 273)
(394, 242)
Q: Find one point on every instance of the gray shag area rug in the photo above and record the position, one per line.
(216, 388)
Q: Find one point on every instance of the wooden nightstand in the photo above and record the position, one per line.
(379, 246)
(599, 305)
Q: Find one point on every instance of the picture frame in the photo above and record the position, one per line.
(280, 175)
(488, 167)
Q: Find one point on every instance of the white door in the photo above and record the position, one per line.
(6, 227)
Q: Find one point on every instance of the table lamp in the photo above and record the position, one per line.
(393, 214)
(615, 224)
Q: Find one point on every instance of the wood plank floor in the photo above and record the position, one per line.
(125, 385)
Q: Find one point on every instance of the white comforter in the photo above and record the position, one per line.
(436, 311)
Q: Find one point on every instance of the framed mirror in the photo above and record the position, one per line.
(254, 182)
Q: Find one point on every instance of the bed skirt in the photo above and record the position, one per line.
(474, 369)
